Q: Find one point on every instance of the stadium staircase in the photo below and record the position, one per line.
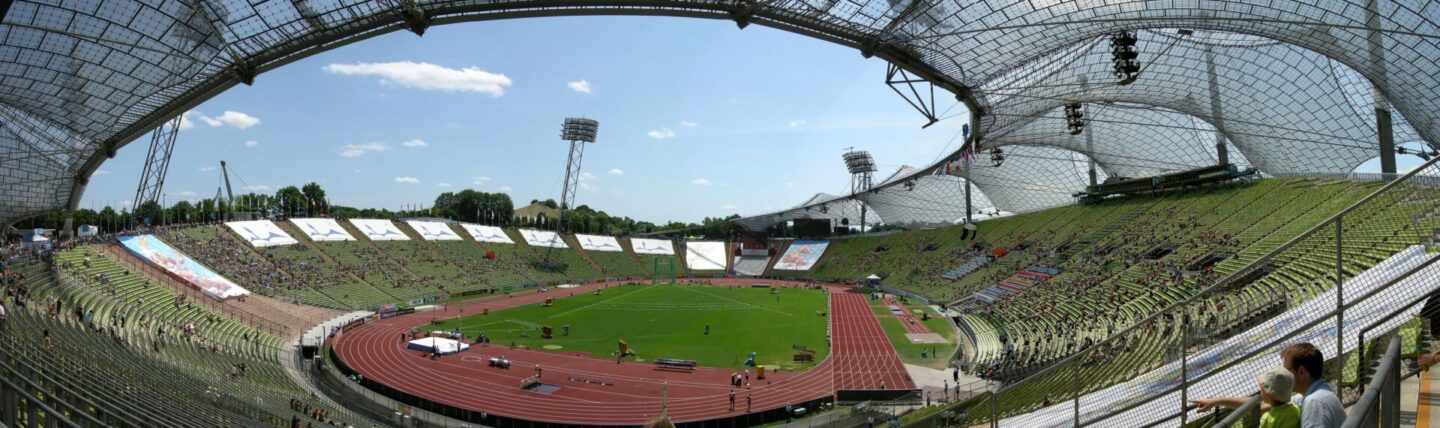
(507, 269)
(610, 264)
(577, 268)
(307, 292)
(347, 287)
(1091, 238)
(751, 265)
(376, 259)
(970, 266)
(285, 320)
(780, 249)
(649, 261)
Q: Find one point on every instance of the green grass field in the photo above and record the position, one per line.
(910, 352)
(668, 321)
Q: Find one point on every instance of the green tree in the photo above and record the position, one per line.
(316, 197)
(291, 201)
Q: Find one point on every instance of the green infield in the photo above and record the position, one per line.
(668, 321)
(932, 355)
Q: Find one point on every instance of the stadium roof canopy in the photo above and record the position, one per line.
(1288, 84)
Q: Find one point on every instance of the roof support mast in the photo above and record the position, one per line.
(1384, 127)
(157, 163)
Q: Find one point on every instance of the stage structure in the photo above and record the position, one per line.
(577, 131)
(862, 176)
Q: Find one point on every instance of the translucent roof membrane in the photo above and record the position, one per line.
(908, 197)
(1287, 83)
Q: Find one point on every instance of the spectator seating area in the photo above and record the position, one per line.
(970, 266)
(362, 274)
(751, 265)
(1103, 271)
(576, 266)
(612, 264)
(167, 372)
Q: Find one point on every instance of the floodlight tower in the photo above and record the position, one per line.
(862, 175)
(577, 131)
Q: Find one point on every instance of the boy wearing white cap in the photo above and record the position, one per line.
(1275, 385)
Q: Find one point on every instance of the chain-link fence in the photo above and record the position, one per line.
(1374, 261)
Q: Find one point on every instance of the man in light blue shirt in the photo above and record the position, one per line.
(1319, 407)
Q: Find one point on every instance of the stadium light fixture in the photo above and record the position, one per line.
(1074, 119)
(577, 131)
(1122, 50)
(997, 157)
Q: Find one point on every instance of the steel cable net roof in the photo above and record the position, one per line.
(78, 80)
(905, 198)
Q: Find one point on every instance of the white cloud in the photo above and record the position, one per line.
(415, 143)
(407, 180)
(616, 171)
(580, 86)
(661, 134)
(357, 150)
(100, 172)
(480, 180)
(251, 143)
(505, 189)
(258, 187)
(356, 171)
(789, 184)
(233, 119)
(443, 184)
(237, 119)
(688, 124)
(729, 208)
(186, 193)
(701, 182)
(587, 176)
(798, 123)
(427, 76)
(206, 168)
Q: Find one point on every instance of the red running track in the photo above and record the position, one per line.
(864, 358)
(907, 319)
(630, 392)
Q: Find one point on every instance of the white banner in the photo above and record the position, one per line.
(801, 255)
(653, 246)
(487, 233)
(598, 243)
(261, 233)
(322, 229)
(433, 230)
(158, 253)
(542, 238)
(379, 230)
(705, 255)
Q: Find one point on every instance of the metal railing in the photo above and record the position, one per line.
(155, 275)
(1334, 257)
(1247, 414)
(1380, 405)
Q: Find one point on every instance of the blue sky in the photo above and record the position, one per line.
(697, 119)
